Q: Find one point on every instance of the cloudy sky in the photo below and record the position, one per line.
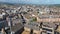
(33, 1)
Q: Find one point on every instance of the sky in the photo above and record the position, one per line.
(32, 1)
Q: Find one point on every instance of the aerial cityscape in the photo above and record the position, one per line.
(29, 19)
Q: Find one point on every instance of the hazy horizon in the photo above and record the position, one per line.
(32, 1)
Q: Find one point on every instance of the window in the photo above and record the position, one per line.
(48, 33)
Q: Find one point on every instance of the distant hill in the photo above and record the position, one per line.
(50, 5)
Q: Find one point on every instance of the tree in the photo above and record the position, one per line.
(35, 19)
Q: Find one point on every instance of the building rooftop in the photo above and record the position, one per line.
(25, 32)
(58, 29)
